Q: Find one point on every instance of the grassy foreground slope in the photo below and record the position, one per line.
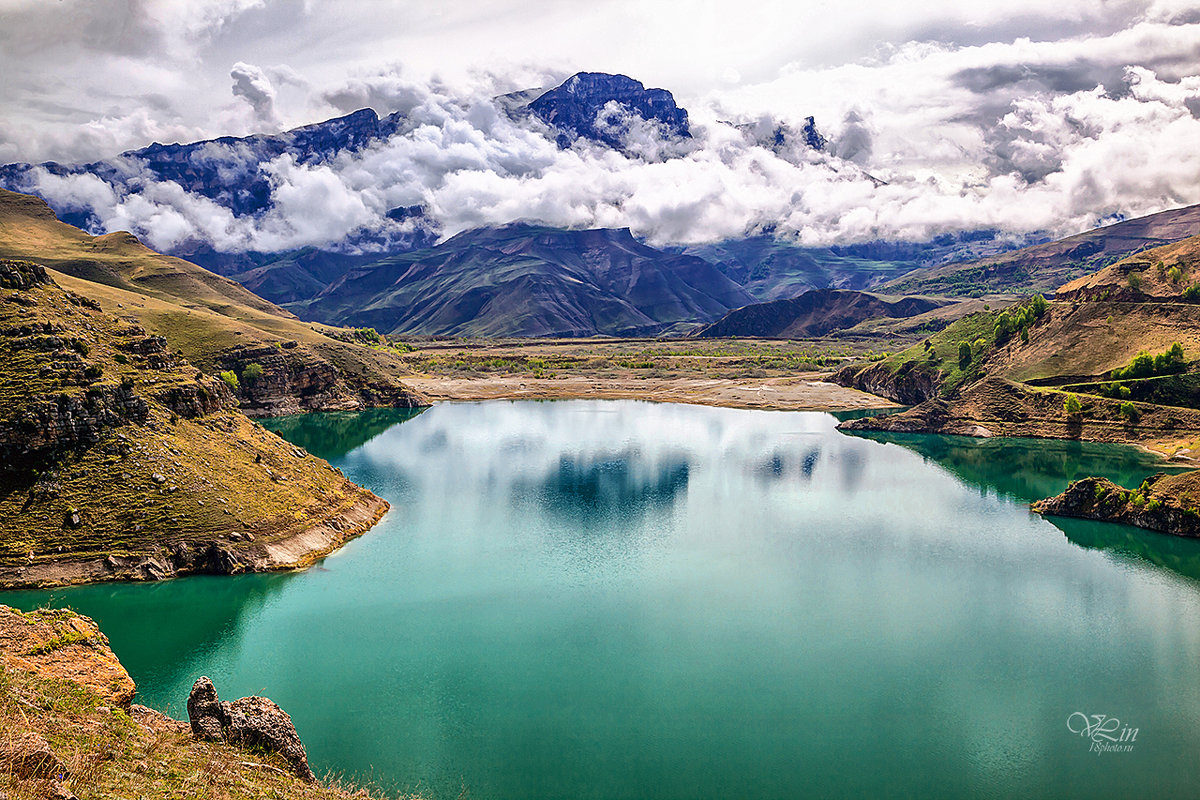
(216, 323)
(68, 728)
(119, 459)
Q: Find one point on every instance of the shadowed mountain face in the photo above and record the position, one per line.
(524, 280)
(598, 106)
(814, 313)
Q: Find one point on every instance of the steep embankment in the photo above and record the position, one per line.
(813, 313)
(217, 324)
(68, 728)
(1044, 267)
(118, 459)
(1164, 503)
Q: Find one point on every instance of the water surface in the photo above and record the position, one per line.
(631, 600)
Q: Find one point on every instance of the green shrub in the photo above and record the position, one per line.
(231, 380)
(1135, 281)
(1192, 293)
(1072, 404)
(1175, 275)
(1145, 365)
(252, 372)
(1129, 411)
(964, 355)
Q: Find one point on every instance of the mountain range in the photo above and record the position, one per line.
(526, 279)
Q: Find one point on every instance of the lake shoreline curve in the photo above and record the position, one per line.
(318, 538)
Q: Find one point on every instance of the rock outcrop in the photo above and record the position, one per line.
(29, 757)
(909, 385)
(1162, 503)
(66, 645)
(249, 722)
(67, 727)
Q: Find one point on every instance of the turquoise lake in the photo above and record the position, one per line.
(618, 599)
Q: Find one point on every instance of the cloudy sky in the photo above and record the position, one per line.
(1022, 115)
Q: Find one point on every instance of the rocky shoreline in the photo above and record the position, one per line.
(1162, 503)
(999, 407)
(217, 557)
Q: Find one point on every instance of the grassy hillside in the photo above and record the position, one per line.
(121, 458)
(1111, 360)
(1170, 273)
(217, 324)
(1045, 267)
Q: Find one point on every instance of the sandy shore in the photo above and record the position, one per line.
(805, 392)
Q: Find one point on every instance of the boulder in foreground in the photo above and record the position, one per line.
(248, 722)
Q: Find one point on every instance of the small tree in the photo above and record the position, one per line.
(1175, 274)
(231, 380)
(1135, 281)
(964, 355)
(1038, 305)
(1072, 405)
(251, 373)
(1129, 411)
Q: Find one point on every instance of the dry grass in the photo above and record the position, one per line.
(108, 752)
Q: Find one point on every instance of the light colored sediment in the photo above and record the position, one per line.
(290, 551)
(805, 392)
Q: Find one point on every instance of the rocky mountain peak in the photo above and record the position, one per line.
(596, 105)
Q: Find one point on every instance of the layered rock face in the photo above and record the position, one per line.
(120, 460)
(248, 722)
(292, 380)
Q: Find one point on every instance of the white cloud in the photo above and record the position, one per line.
(1014, 133)
(252, 85)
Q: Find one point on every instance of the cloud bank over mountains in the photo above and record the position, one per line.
(925, 136)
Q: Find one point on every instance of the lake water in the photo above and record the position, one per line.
(631, 600)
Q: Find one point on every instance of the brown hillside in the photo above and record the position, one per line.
(1045, 267)
(118, 459)
(216, 323)
(1163, 273)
